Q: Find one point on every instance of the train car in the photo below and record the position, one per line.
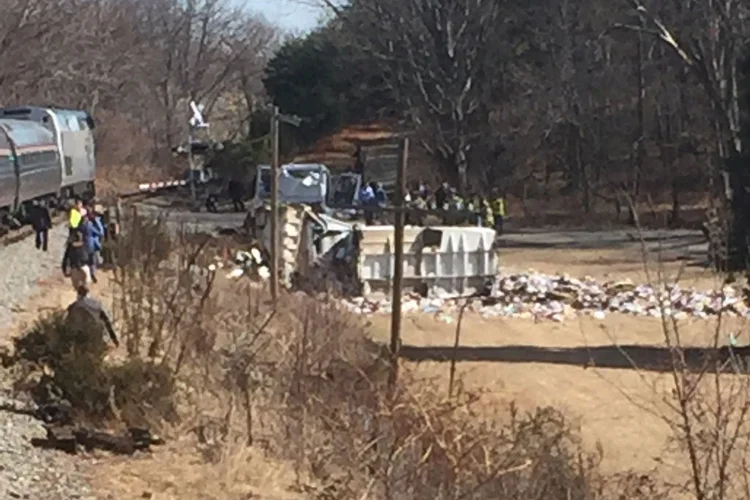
(74, 134)
(8, 181)
(35, 161)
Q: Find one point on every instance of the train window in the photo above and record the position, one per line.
(73, 124)
(82, 123)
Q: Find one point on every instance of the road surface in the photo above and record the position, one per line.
(678, 242)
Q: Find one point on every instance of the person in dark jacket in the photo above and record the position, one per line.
(442, 196)
(41, 221)
(381, 198)
(75, 262)
(87, 309)
(236, 193)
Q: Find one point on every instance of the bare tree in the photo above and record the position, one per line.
(434, 56)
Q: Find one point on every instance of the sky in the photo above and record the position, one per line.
(292, 15)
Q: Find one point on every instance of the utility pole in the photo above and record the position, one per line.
(275, 205)
(276, 118)
(398, 265)
(191, 165)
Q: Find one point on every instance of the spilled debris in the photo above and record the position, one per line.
(557, 297)
(543, 297)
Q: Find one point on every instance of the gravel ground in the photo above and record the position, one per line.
(22, 268)
(33, 473)
(26, 471)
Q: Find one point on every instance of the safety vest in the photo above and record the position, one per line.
(74, 218)
(498, 207)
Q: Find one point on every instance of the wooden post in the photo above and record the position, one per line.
(398, 266)
(275, 206)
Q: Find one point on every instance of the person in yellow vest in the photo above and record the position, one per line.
(498, 211)
(75, 217)
(488, 216)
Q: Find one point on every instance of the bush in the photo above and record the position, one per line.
(143, 392)
(73, 352)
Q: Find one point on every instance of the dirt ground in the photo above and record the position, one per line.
(579, 365)
(576, 366)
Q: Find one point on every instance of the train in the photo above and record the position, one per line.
(47, 155)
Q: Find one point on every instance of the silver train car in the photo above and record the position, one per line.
(71, 133)
(29, 165)
(74, 133)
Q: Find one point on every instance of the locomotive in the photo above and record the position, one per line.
(46, 155)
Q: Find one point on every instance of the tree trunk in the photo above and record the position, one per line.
(635, 189)
(462, 165)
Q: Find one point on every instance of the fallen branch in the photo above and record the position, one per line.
(71, 439)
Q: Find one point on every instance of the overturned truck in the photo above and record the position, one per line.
(321, 252)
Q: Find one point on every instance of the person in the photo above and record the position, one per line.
(488, 217)
(236, 193)
(41, 221)
(477, 209)
(86, 308)
(109, 220)
(75, 262)
(498, 209)
(419, 203)
(94, 234)
(381, 198)
(76, 214)
(212, 203)
(366, 197)
(442, 196)
(455, 207)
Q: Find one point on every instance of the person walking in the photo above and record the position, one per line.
(87, 309)
(41, 221)
(75, 262)
(93, 234)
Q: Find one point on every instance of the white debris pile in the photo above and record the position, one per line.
(555, 297)
(587, 295)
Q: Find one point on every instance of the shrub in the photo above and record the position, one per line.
(143, 392)
(73, 352)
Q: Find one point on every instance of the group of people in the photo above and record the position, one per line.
(479, 209)
(87, 233)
